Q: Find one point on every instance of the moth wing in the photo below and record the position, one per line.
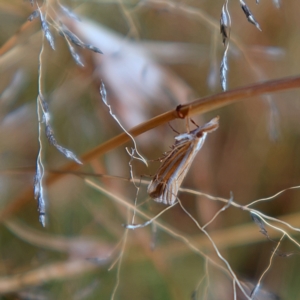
(185, 159)
(164, 186)
(171, 191)
(155, 189)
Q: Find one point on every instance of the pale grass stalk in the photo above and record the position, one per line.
(204, 276)
(256, 212)
(133, 31)
(227, 205)
(274, 196)
(113, 263)
(137, 187)
(104, 99)
(120, 243)
(120, 260)
(234, 289)
(141, 213)
(261, 216)
(233, 275)
(135, 226)
(132, 179)
(267, 269)
(246, 207)
(275, 220)
(167, 229)
(227, 202)
(239, 235)
(207, 280)
(55, 271)
(286, 219)
(83, 247)
(174, 234)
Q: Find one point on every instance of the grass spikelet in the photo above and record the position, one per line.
(249, 14)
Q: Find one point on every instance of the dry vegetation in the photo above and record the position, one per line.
(73, 154)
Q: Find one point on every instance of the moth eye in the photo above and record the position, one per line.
(199, 134)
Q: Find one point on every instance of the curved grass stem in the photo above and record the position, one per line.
(198, 106)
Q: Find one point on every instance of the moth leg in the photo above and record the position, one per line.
(194, 122)
(188, 124)
(173, 128)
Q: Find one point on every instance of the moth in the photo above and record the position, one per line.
(166, 182)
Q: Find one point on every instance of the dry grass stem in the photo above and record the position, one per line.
(120, 260)
(233, 275)
(176, 235)
(254, 291)
(105, 101)
(199, 106)
(55, 271)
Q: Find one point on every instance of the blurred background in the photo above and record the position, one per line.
(157, 54)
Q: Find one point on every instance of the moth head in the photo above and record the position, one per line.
(200, 134)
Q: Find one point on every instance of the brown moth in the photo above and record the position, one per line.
(165, 184)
